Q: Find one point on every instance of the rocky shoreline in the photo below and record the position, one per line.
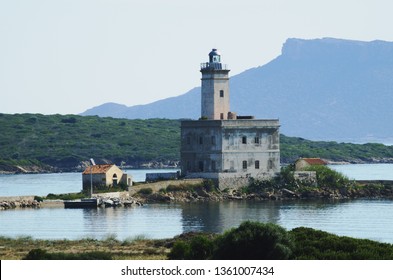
(376, 190)
(367, 192)
(5, 205)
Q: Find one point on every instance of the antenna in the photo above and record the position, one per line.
(92, 161)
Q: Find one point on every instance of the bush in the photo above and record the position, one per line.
(39, 254)
(320, 245)
(67, 196)
(258, 186)
(251, 240)
(38, 198)
(199, 247)
(176, 188)
(145, 191)
(329, 178)
(254, 241)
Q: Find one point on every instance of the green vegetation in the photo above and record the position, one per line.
(251, 240)
(294, 147)
(319, 245)
(133, 248)
(63, 141)
(66, 196)
(326, 179)
(39, 254)
(254, 240)
(145, 191)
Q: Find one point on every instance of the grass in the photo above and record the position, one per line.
(309, 244)
(133, 248)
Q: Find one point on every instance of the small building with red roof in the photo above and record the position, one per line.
(108, 175)
(303, 163)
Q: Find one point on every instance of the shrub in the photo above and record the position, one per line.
(39, 254)
(67, 196)
(145, 191)
(329, 178)
(209, 185)
(257, 186)
(251, 240)
(320, 245)
(176, 188)
(200, 247)
(254, 241)
(38, 198)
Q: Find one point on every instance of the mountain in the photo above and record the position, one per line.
(321, 89)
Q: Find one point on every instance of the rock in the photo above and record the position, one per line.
(108, 203)
(288, 193)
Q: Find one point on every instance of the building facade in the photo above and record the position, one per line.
(104, 175)
(222, 146)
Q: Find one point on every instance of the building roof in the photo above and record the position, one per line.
(314, 161)
(97, 169)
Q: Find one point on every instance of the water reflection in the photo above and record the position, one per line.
(218, 217)
(371, 219)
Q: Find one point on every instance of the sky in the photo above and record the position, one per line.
(66, 56)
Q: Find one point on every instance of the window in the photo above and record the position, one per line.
(201, 140)
(221, 93)
(213, 165)
(188, 165)
(213, 140)
(222, 116)
(244, 164)
(244, 139)
(188, 140)
(256, 140)
(257, 164)
(200, 165)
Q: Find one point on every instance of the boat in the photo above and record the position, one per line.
(82, 203)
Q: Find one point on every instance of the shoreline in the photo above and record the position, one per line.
(375, 189)
(34, 169)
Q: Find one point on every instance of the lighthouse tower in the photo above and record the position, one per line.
(221, 146)
(215, 88)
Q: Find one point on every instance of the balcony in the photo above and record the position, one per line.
(214, 66)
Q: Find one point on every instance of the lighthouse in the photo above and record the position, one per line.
(215, 88)
(221, 146)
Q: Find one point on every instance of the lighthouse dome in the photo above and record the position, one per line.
(214, 56)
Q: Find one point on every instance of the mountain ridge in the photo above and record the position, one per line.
(320, 89)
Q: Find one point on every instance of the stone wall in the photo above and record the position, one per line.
(18, 202)
(152, 177)
(156, 186)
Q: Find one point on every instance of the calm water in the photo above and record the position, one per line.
(366, 171)
(43, 184)
(371, 219)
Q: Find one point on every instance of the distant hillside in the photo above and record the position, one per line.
(328, 89)
(35, 142)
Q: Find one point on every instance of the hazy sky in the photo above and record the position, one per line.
(65, 56)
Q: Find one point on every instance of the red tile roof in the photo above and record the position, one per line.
(98, 169)
(314, 161)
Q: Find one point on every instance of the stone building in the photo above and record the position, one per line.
(222, 146)
(104, 175)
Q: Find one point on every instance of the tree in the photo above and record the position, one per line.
(254, 241)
